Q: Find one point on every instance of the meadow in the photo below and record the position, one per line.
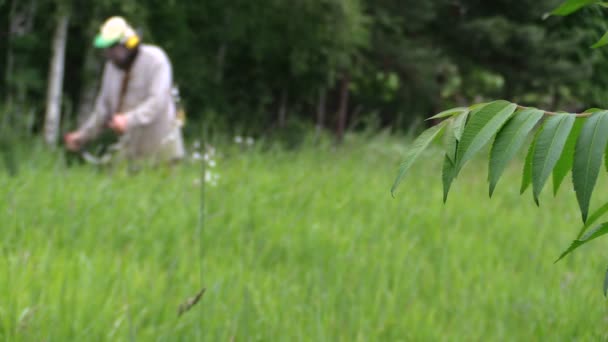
(294, 245)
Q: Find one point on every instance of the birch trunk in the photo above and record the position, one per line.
(53, 101)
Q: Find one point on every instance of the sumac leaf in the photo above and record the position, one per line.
(590, 148)
(417, 147)
(548, 149)
(598, 231)
(481, 127)
(509, 140)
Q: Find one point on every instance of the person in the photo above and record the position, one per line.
(135, 100)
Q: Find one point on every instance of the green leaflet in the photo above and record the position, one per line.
(590, 148)
(449, 140)
(598, 231)
(572, 6)
(450, 112)
(593, 110)
(603, 41)
(419, 145)
(456, 128)
(564, 164)
(480, 128)
(450, 150)
(447, 176)
(477, 106)
(606, 158)
(526, 178)
(453, 136)
(548, 149)
(509, 140)
(459, 124)
(591, 220)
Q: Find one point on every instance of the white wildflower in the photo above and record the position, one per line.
(249, 141)
(214, 179)
(211, 178)
(210, 150)
(238, 139)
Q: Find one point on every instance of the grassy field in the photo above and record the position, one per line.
(303, 245)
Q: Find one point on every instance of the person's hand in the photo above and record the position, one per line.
(118, 123)
(73, 141)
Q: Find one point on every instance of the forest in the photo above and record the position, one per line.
(271, 66)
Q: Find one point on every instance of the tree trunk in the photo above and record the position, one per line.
(283, 109)
(53, 101)
(220, 60)
(343, 109)
(354, 117)
(320, 112)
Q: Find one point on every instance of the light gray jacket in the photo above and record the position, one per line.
(152, 128)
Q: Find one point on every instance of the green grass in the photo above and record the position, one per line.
(303, 245)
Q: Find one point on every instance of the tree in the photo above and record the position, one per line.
(55, 88)
(562, 142)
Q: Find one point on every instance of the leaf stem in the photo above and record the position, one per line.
(546, 112)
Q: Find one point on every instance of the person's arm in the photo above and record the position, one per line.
(101, 113)
(157, 98)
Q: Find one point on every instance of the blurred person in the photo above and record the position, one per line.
(135, 100)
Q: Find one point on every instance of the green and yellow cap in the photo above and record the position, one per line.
(114, 30)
